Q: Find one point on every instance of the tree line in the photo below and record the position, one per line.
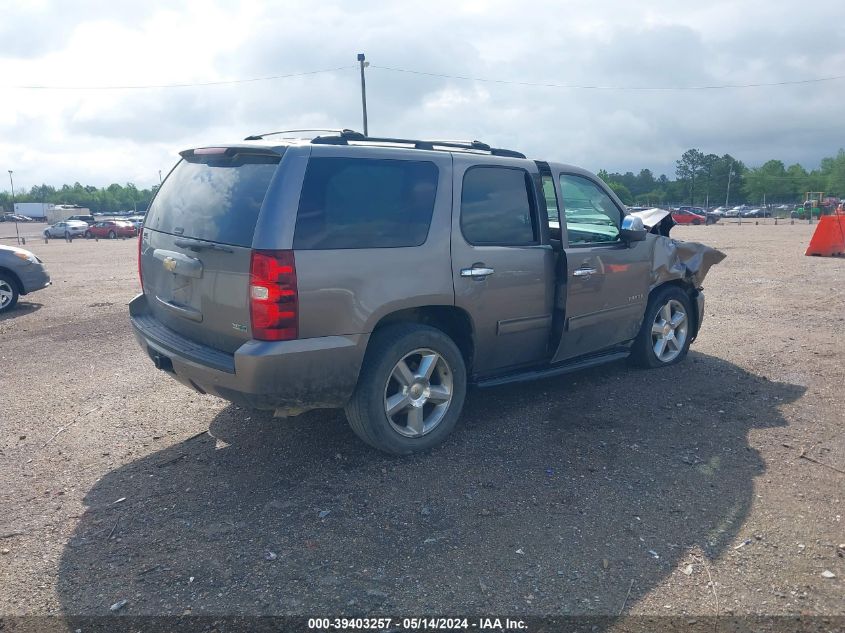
(708, 180)
(700, 180)
(109, 199)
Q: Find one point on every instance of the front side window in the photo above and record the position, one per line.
(365, 203)
(496, 207)
(591, 216)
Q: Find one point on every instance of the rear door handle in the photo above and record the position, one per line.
(584, 272)
(478, 271)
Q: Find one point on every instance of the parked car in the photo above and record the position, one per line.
(385, 275)
(67, 229)
(21, 272)
(13, 217)
(111, 229)
(136, 221)
(757, 213)
(88, 219)
(735, 212)
(686, 215)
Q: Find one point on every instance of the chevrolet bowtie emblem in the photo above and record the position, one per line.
(169, 264)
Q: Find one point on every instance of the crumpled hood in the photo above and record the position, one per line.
(689, 261)
(650, 217)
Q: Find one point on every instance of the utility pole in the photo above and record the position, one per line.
(363, 64)
(728, 193)
(17, 234)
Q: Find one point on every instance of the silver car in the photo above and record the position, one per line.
(66, 229)
(21, 272)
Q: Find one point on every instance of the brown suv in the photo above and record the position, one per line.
(385, 275)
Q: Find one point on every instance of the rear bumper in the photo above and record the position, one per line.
(293, 376)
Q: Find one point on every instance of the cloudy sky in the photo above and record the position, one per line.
(98, 136)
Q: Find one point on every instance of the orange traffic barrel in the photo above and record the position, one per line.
(829, 238)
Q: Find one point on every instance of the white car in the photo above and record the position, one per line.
(136, 221)
(67, 229)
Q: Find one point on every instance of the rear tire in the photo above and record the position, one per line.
(419, 374)
(667, 330)
(88, 235)
(8, 293)
(696, 222)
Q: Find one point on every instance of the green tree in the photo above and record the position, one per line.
(768, 182)
(688, 170)
(622, 191)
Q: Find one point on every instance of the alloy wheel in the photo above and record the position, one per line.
(669, 331)
(6, 293)
(418, 393)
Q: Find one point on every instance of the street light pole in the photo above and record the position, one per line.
(17, 234)
(728, 192)
(363, 64)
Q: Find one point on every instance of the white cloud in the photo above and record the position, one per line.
(100, 137)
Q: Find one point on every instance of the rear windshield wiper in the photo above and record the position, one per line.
(196, 245)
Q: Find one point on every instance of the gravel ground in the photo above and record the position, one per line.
(713, 487)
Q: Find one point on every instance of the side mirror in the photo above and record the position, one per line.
(633, 229)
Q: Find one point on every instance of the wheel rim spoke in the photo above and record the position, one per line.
(439, 394)
(678, 318)
(660, 347)
(427, 364)
(415, 420)
(666, 313)
(396, 403)
(402, 373)
(657, 328)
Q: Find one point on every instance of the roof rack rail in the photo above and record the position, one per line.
(343, 137)
(258, 137)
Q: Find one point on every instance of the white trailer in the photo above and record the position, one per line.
(59, 212)
(35, 210)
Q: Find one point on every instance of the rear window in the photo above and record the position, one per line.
(365, 203)
(214, 198)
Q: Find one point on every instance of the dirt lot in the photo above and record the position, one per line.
(680, 491)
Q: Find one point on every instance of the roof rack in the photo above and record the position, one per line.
(258, 137)
(343, 137)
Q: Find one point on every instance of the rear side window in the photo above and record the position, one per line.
(214, 198)
(496, 207)
(365, 203)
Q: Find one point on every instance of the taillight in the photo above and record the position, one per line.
(273, 297)
(140, 274)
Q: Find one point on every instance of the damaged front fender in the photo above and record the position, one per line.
(675, 259)
(685, 261)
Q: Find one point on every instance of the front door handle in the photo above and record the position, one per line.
(584, 272)
(478, 271)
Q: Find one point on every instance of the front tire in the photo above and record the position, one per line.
(410, 391)
(667, 330)
(112, 235)
(88, 235)
(8, 293)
